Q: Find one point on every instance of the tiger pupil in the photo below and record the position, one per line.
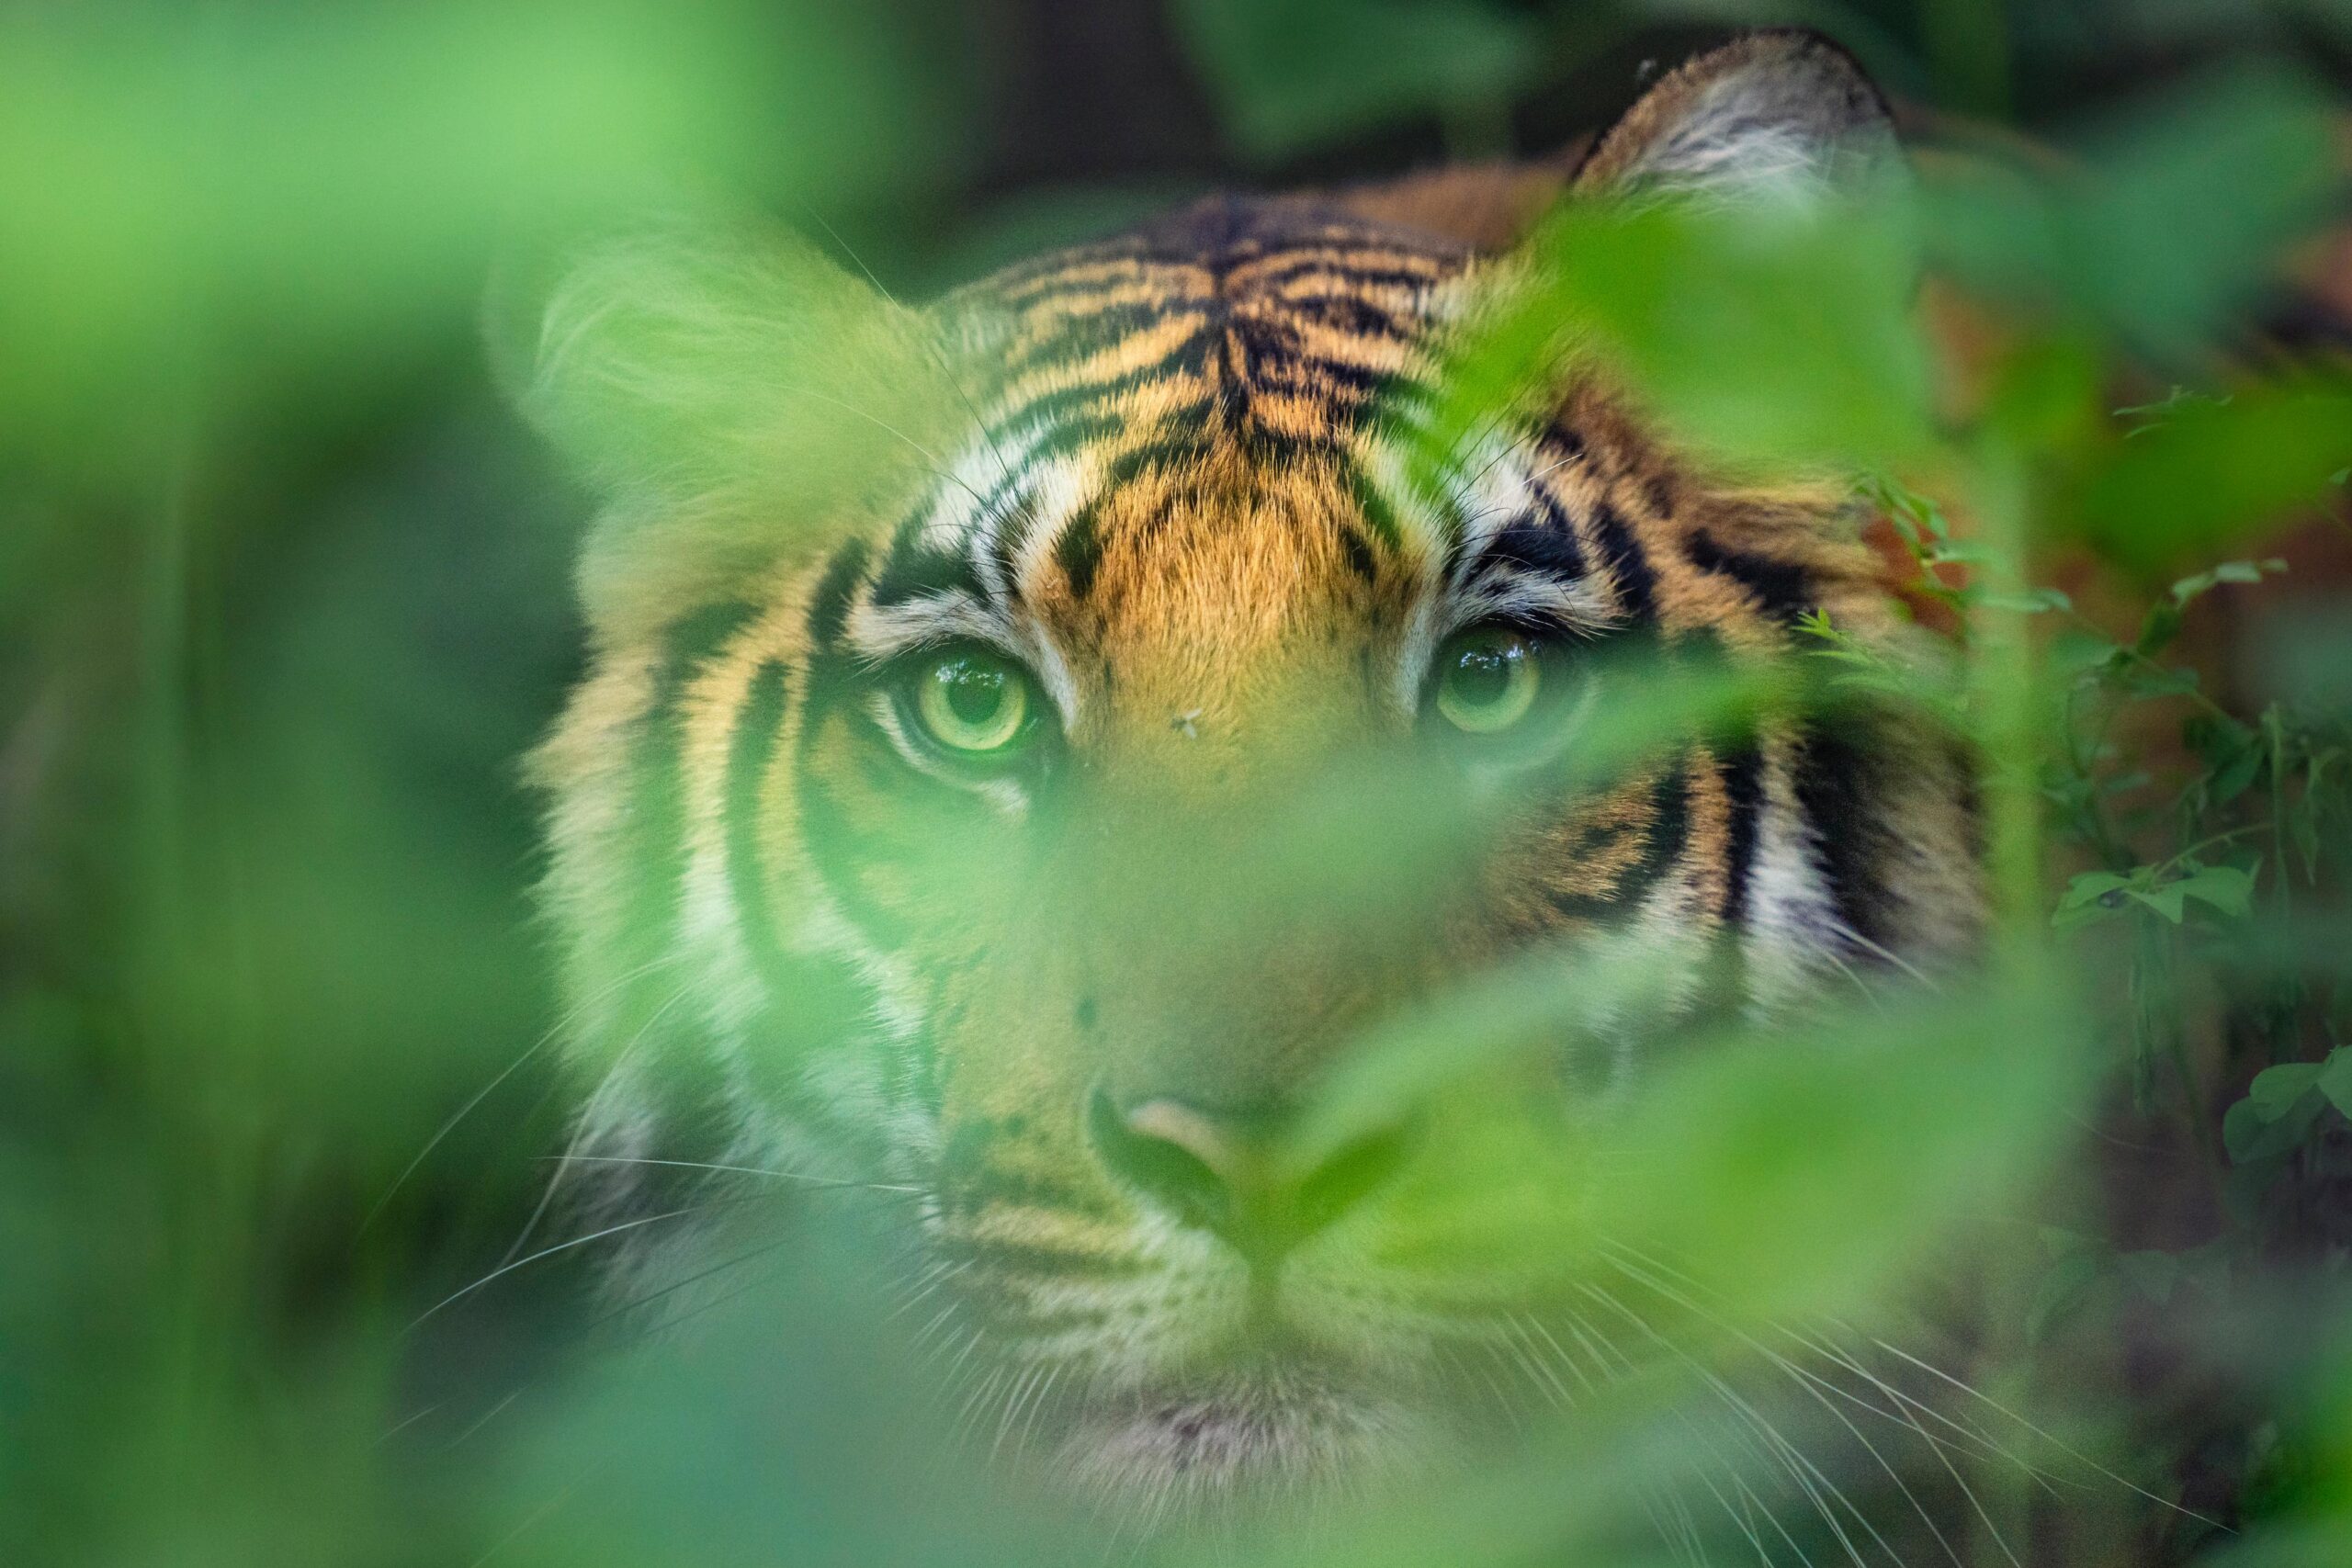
(973, 694)
(1482, 676)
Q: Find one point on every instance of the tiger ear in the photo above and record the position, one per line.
(1774, 113)
(729, 395)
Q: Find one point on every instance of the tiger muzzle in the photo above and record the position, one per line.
(1223, 1171)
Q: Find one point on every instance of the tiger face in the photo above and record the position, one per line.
(1138, 734)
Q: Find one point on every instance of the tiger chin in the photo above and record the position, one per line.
(965, 680)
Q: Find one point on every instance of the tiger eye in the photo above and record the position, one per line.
(1487, 679)
(972, 702)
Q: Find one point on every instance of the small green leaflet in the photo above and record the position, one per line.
(2282, 1102)
(2098, 895)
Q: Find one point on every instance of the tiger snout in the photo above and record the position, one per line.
(1224, 1170)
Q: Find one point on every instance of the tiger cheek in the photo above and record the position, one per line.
(920, 868)
(1015, 1057)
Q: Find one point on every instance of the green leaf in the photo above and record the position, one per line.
(2077, 653)
(2334, 1079)
(2240, 772)
(2142, 680)
(2249, 1136)
(2223, 887)
(1765, 339)
(2214, 473)
(2092, 897)
(2030, 600)
(2092, 885)
(2204, 583)
(2150, 415)
(2161, 625)
(2276, 1090)
(2165, 901)
(1763, 1202)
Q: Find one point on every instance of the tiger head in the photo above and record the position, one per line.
(1027, 810)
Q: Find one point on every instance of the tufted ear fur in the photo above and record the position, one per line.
(1779, 112)
(727, 395)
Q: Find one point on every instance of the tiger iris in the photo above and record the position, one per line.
(973, 704)
(1488, 681)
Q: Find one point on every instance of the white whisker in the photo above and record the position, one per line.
(1808, 1383)
(505, 1269)
(799, 1178)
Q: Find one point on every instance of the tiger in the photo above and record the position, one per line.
(928, 817)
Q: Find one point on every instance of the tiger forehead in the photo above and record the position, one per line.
(1236, 349)
(1216, 595)
(1274, 325)
(1233, 250)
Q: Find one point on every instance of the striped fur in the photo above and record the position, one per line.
(1174, 489)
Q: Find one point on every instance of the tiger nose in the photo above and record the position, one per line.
(1218, 1170)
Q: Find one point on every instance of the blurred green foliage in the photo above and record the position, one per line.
(282, 594)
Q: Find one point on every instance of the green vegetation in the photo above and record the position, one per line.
(284, 594)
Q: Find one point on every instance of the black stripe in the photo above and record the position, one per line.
(1080, 433)
(657, 818)
(691, 641)
(653, 849)
(1078, 551)
(837, 851)
(1743, 776)
(925, 573)
(1318, 376)
(1286, 448)
(1162, 451)
(1011, 536)
(1660, 492)
(830, 677)
(1832, 789)
(1781, 589)
(1668, 836)
(1351, 314)
(1539, 547)
(1555, 518)
(1077, 431)
(1347, 274)
(829, 606)
(1379, 517)
(1636, 584)
(835, 848)
(1186, 358)
(1028, 284)
(1664, 838)
(757, 723)
(1077, 334)
(911, 527)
